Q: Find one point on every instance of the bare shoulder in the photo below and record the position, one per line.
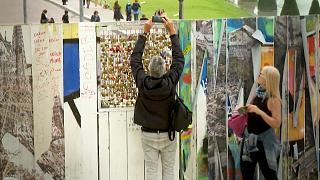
(274, 103)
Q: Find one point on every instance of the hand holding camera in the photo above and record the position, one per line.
(160, 17)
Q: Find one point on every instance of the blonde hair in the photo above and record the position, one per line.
(272, 77)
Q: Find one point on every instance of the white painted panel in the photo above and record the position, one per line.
(73, 148)
(135, 151)
(47, 99)
(118, 145)
(104, 158)
(88, 100)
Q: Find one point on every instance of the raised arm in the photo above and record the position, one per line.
(177, 55)
(136, 56)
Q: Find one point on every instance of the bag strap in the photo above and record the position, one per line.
(171, 134)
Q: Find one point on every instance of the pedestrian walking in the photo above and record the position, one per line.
(128, 11)
(117, 11)
(44, 17)
(65, 17)
(88, 3)
(95, 17)
(136, 10)
(64, 2)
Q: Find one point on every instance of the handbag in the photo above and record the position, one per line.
(238, 122)
(181, 117)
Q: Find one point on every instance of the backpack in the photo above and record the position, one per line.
(128, 8)
(135, 6)
(181, 117)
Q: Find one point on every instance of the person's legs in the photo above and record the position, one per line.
(263, 164)
(168, 155)
(247, 170)
(136, 17)
(88, 3)
(247, 167)
(151, 154)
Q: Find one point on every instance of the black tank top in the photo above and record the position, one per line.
(256, 124)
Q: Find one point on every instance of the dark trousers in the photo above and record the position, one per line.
(128, 17)
(248, 168)
(136, 17)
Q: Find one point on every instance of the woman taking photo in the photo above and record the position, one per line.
(260, 144)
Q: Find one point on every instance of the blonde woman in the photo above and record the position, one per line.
(260, 144)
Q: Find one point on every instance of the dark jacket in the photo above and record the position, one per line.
(156, 95)
(117, 13)
(65, 18)
(44, 18)
(95, 18)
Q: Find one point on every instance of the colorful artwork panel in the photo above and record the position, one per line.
(217, 150)
(185, 92)
(266, 26)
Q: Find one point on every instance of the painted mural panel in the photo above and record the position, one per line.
(204, 59)
(16, 109)
(185, 92)
(239, 69)
(71, 93)
(309, 37)
(216, 112)
(46, 43)
(266, 26)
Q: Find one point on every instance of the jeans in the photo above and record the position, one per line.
(156, 146)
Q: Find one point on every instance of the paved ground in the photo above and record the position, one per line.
(11, 11)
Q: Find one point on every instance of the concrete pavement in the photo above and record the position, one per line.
(11, 12)
(73, 6)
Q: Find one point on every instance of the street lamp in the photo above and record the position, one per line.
(25, 11)
(180, 9)
(81, 10)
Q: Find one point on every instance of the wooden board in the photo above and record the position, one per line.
(118, 145)
(104, 146)
(135, 151)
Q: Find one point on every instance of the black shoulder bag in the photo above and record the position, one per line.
(180, 118)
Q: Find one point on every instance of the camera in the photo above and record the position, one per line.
(243, 110)
(157, 19)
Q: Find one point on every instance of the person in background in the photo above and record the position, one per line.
(143, 18)
(95, 17)
(51, 20)
(64, 2)
(260, 144)
(65, 17)
(155, 99)
(44, 17)
(136, 10)
(128, 11)
(88, 3)
(117, 11)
